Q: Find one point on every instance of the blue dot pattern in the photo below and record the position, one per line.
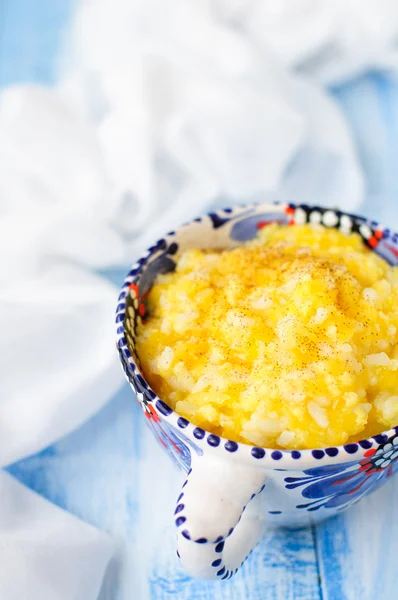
(213, 440)
(199, 433)
(162, 407)
(366, 444)
(216, 563)
(258, 452)
(231, 446)
(318, 454)
(332, 451)
(351, 448)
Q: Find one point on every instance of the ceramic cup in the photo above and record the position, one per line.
(233, 491)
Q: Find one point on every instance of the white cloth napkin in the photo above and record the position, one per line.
(331, 40)
(46, 553)
(187, 109)
(59, 363)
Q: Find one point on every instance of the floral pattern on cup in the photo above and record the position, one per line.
(338, 486)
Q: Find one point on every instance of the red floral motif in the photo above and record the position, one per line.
(366, 465)
(289, 210)
(262, 224)
(377, 460)
(375, 239)
(393, 250)
(134, 288)
(151, 413)
(135, 293)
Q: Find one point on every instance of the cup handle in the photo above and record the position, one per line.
(216, 532)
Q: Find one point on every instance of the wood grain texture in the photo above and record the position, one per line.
(112, 474)
(356, 551)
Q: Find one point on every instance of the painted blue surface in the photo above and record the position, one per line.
(111, 474)
(30, 32)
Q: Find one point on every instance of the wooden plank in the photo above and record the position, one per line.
(357, 550)
(282, 567)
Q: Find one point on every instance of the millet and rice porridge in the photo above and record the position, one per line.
(289, 341)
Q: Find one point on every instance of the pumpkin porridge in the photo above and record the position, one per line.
(289, 341)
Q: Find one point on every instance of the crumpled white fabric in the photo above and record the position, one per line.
(331, 41)
(55, 197)
(188, 109)
(59, 361)
(59, 364)
(46, 553)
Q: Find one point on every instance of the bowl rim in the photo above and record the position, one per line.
(200, 439)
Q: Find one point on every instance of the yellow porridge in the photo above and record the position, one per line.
(289, 341)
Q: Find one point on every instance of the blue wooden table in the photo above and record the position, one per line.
(110, 472)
